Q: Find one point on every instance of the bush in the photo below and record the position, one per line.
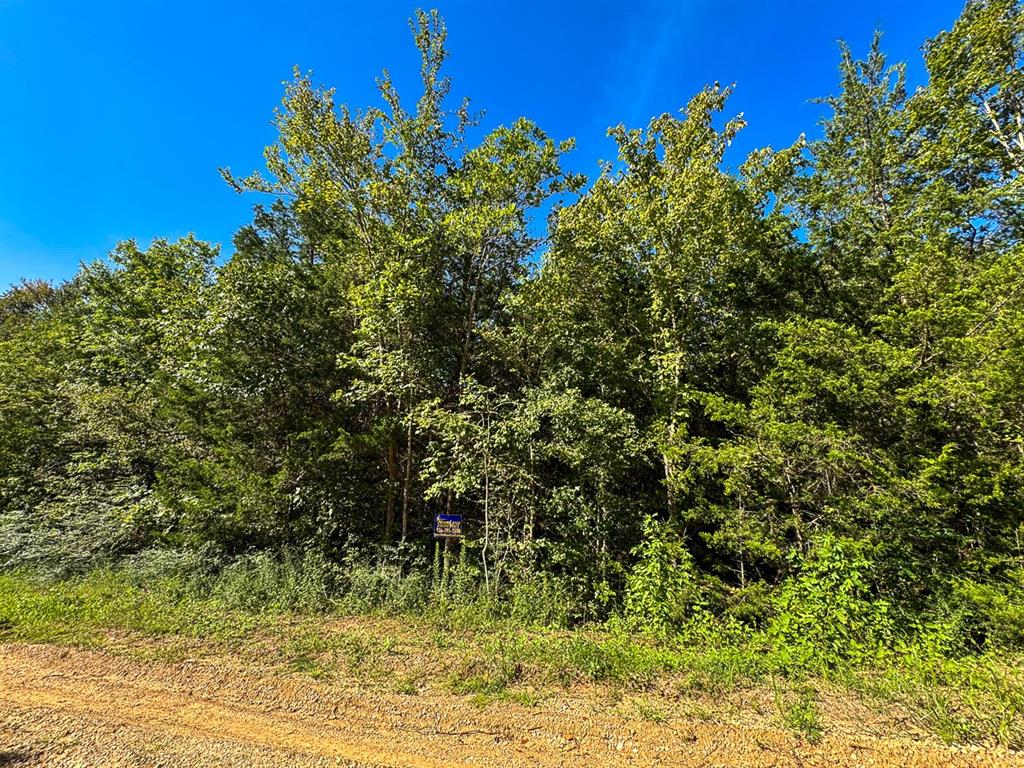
(990, 614)
(193, 569)
(389, 579)
(539, 600)
(382, 587)
(77, 531)
(827, 613)
(456, 579)
(661, 590)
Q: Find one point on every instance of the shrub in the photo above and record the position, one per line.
(661, 589)
(82, 528)
(391, 579)
(827, 613)
(991, 614)
(539, 600)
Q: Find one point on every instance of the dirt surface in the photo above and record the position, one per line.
(69, 707)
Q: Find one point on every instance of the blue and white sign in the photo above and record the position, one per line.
(448, 526)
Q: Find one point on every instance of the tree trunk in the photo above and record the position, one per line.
(392, 484)
(487, 504)
(408, 480)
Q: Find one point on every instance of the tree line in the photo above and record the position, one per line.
(677, 387)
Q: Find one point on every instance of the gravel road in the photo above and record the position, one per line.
(72, 707)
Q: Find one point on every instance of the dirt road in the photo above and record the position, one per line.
(67, 707)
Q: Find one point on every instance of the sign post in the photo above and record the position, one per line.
(449, 528)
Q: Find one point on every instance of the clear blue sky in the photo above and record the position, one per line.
(114, 116)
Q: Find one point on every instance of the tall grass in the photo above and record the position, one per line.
(509, 639)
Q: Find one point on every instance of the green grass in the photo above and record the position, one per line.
(798, 711)
(408, 685)
(650, 711)
(80, 611)
(306, 653)
(973, 699)
(967, 700)
(488, 675)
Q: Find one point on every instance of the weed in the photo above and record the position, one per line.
(799, 712)
(486, 676)
(526, 697)
(310, 666)
(408, 685)
(305, 653)
(697, 711)
(649, 711)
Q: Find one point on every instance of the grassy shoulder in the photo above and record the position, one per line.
(968, 700)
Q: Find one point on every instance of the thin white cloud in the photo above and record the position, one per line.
(651, 32)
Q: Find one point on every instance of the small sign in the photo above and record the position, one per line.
(448, 526)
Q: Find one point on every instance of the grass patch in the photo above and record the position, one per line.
(408, 685)
(798, 711)
(969, 700)
(79, 611)
(650, 711)
(307, 653)
(485, 675)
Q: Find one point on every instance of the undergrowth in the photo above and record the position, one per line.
(447, 635)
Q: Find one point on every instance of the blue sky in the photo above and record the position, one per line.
(114, 116)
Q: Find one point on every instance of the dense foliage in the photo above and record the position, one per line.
(787, 397)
